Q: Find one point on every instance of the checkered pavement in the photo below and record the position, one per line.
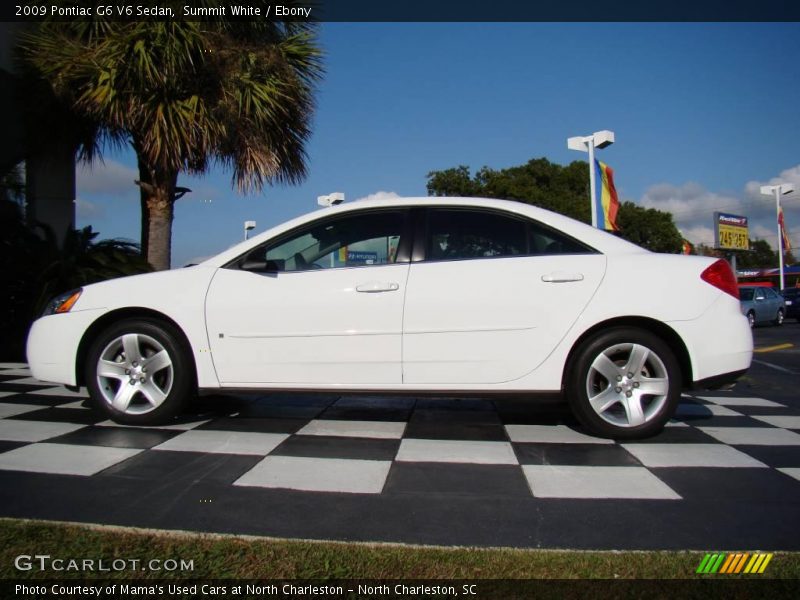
(718, 443)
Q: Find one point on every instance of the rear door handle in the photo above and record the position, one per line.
(562, 277)
(373, 287)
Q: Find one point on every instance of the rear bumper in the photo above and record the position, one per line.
(718, 381)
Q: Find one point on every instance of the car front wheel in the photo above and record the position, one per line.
(779, 317)
(751, 318)
(137, 372)
(624, 383)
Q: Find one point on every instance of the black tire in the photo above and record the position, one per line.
(153, 397)
(751, 318)
(779, 318)
(620, 418)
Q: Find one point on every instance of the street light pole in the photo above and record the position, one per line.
(778, 190)
(587, 143)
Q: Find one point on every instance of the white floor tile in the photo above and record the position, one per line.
(729, 401)
(61, 391)
(224, 442)
(552, 481)
(64, 459)
(691, 455)
(7, 394)
(674, 423)
(20, 371)
(78, 404)
(699, 410)
(34, 431)
(24, 380)
(173, 426)
(551, 434)
(8, 409)
(456, 451)
(791, 472)
(318, 474)
(361, 429)
(13, 365)
(785, 421)
(755, 436)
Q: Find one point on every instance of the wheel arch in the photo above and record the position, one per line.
(120, 314)
(665, 332)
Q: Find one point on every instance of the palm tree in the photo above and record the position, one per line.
(185, 95)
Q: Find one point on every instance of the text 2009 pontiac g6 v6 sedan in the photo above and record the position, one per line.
(423, 295)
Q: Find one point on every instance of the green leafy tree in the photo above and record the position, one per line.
(185, 95)
(35, 268)
(562, 189)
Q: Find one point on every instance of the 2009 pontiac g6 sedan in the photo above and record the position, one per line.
(422, 295)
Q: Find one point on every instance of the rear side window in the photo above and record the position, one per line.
(460, 234)
(457, 234)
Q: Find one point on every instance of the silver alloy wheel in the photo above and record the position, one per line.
(135, 373)
(779, 317)
(751, 318)
(627, 385)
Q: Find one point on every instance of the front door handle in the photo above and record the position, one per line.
(562, 277)
(373, 287)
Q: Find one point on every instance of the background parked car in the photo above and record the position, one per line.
(791, 297)
(762, 305)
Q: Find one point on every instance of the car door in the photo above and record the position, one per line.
(760, 304)
(320, 305)
(490, 294)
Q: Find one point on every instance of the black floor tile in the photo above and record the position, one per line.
(739, 484)
(365, 414)
(434, 430)
(449, 417)
(254, 425)
(163, 466)
(678, 435)
(456, 479)
(21, 388)
(116, 437)
(606, 455)
(5, 445)
(320, 446)
(718, 421)
(62, 415)
(455, 404)
(774, 456)
(37, 400)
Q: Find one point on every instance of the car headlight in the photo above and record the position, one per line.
(62, 303)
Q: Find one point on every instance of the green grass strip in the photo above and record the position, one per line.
(219, 557)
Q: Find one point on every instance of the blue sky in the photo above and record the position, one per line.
(703, 114)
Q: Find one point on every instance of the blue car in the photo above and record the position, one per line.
(762, 305)
(792, 298)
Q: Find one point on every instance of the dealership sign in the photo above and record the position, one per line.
(730, 232)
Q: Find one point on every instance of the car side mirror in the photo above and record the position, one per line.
(253, 264)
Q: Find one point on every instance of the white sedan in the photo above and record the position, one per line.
(437, 296)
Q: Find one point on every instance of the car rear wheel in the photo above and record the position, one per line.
(624, 383)
(779, 317)
(751, 318)
(138, 373)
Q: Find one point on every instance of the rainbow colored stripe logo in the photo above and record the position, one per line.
(734, 563)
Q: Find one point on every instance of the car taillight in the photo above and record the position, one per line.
(721, 276)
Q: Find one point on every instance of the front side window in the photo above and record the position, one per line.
(371, 238)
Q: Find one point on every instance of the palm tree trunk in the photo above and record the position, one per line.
(157, 221)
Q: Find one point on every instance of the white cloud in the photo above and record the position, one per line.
(692, 207)
(108, 177)
(380, 195)
(88, 210)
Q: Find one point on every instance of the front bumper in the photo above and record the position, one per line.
(53, 344)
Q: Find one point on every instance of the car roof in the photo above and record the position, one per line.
(598, 239)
